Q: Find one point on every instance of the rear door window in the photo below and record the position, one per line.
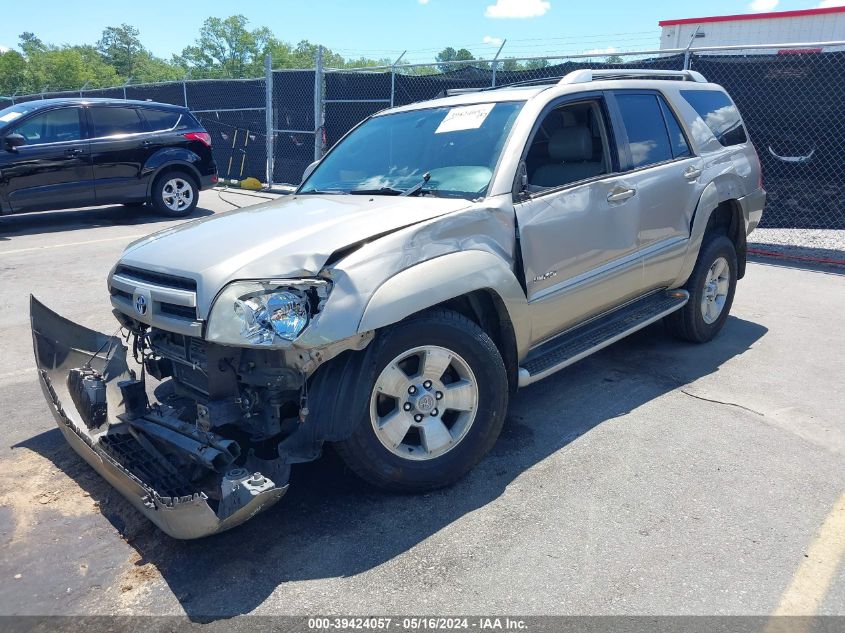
(719, 113)
(163, 120)
(648, 139)
(53, 126)
(115, 121)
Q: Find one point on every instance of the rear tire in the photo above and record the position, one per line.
(711, 285)
(436, 404)
(175, 194)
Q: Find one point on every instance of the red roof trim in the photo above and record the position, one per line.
(753, 16)
(798, 51)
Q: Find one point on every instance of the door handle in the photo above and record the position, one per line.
(691, 173)
(74, 151)
(618, 194)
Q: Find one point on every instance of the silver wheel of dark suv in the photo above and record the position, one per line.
(175, 194)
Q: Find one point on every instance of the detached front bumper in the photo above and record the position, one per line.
(111, 446)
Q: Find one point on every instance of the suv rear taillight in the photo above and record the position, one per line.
(202, 137)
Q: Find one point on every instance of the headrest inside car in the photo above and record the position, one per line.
(571, 144)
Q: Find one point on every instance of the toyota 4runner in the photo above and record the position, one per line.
(440, 256)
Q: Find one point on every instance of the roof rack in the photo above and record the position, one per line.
(586, 75)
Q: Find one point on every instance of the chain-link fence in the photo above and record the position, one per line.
(791, 104)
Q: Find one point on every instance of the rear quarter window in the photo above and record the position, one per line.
(161, 120)
(115, 121)
(719, 114)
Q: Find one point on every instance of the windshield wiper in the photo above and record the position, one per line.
(417, 187)
(381, 191)
(392, 191)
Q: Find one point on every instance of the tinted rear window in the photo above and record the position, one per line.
(648, 139)
(115, 121)
(165, 120)
(719, 113)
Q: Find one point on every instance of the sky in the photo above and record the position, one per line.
(384, 28)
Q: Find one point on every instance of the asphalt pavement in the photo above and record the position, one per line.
(656, 477)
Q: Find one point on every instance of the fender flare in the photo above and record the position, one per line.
(710, 199)
(440, 279)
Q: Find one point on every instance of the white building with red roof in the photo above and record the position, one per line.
(822, 24)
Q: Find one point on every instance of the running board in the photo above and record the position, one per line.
(583, 340)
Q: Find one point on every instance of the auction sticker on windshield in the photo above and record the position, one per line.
(464, 118)
(9, 116)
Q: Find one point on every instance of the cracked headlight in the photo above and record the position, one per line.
(265, 313)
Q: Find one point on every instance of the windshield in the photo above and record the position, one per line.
(7, 115)
(448, 151)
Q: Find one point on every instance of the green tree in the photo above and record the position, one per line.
(12, 72)
(30, 44)
(614, 59)
(227, 48)
(70, 68)
(449, 54)
(149, 68)
(535, 64)
(122, 49)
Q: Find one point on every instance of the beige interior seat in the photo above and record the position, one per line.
(570, 158)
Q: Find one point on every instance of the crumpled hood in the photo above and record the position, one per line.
(289, 237)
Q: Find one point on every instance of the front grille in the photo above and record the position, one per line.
(173, 298)
(160, 279)
(180, 312)
(117, 292)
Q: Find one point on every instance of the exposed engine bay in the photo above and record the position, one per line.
(199, 436)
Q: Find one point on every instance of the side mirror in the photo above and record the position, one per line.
(309, 170)
(13, 141)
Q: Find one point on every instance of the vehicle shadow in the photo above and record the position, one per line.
(332, 525)
(45, 222)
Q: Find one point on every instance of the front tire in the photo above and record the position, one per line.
(175, 194)
(437, 404)
(711, 285)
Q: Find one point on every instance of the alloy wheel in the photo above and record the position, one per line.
(424, 402)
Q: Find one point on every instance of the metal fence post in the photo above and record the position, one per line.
(268, 116)
(689, 46)
(318, 105)
(185, 92)
(393, 77)
(496, 61)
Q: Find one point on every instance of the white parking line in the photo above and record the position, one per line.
(52, 246)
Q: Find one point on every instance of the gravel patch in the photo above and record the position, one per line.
(822, 244)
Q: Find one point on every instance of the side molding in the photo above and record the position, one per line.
(442, 278)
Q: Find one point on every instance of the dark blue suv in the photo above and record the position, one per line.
(64, 153)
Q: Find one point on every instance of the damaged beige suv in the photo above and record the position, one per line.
(440, 256)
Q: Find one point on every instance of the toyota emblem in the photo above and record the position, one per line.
(140, 305)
